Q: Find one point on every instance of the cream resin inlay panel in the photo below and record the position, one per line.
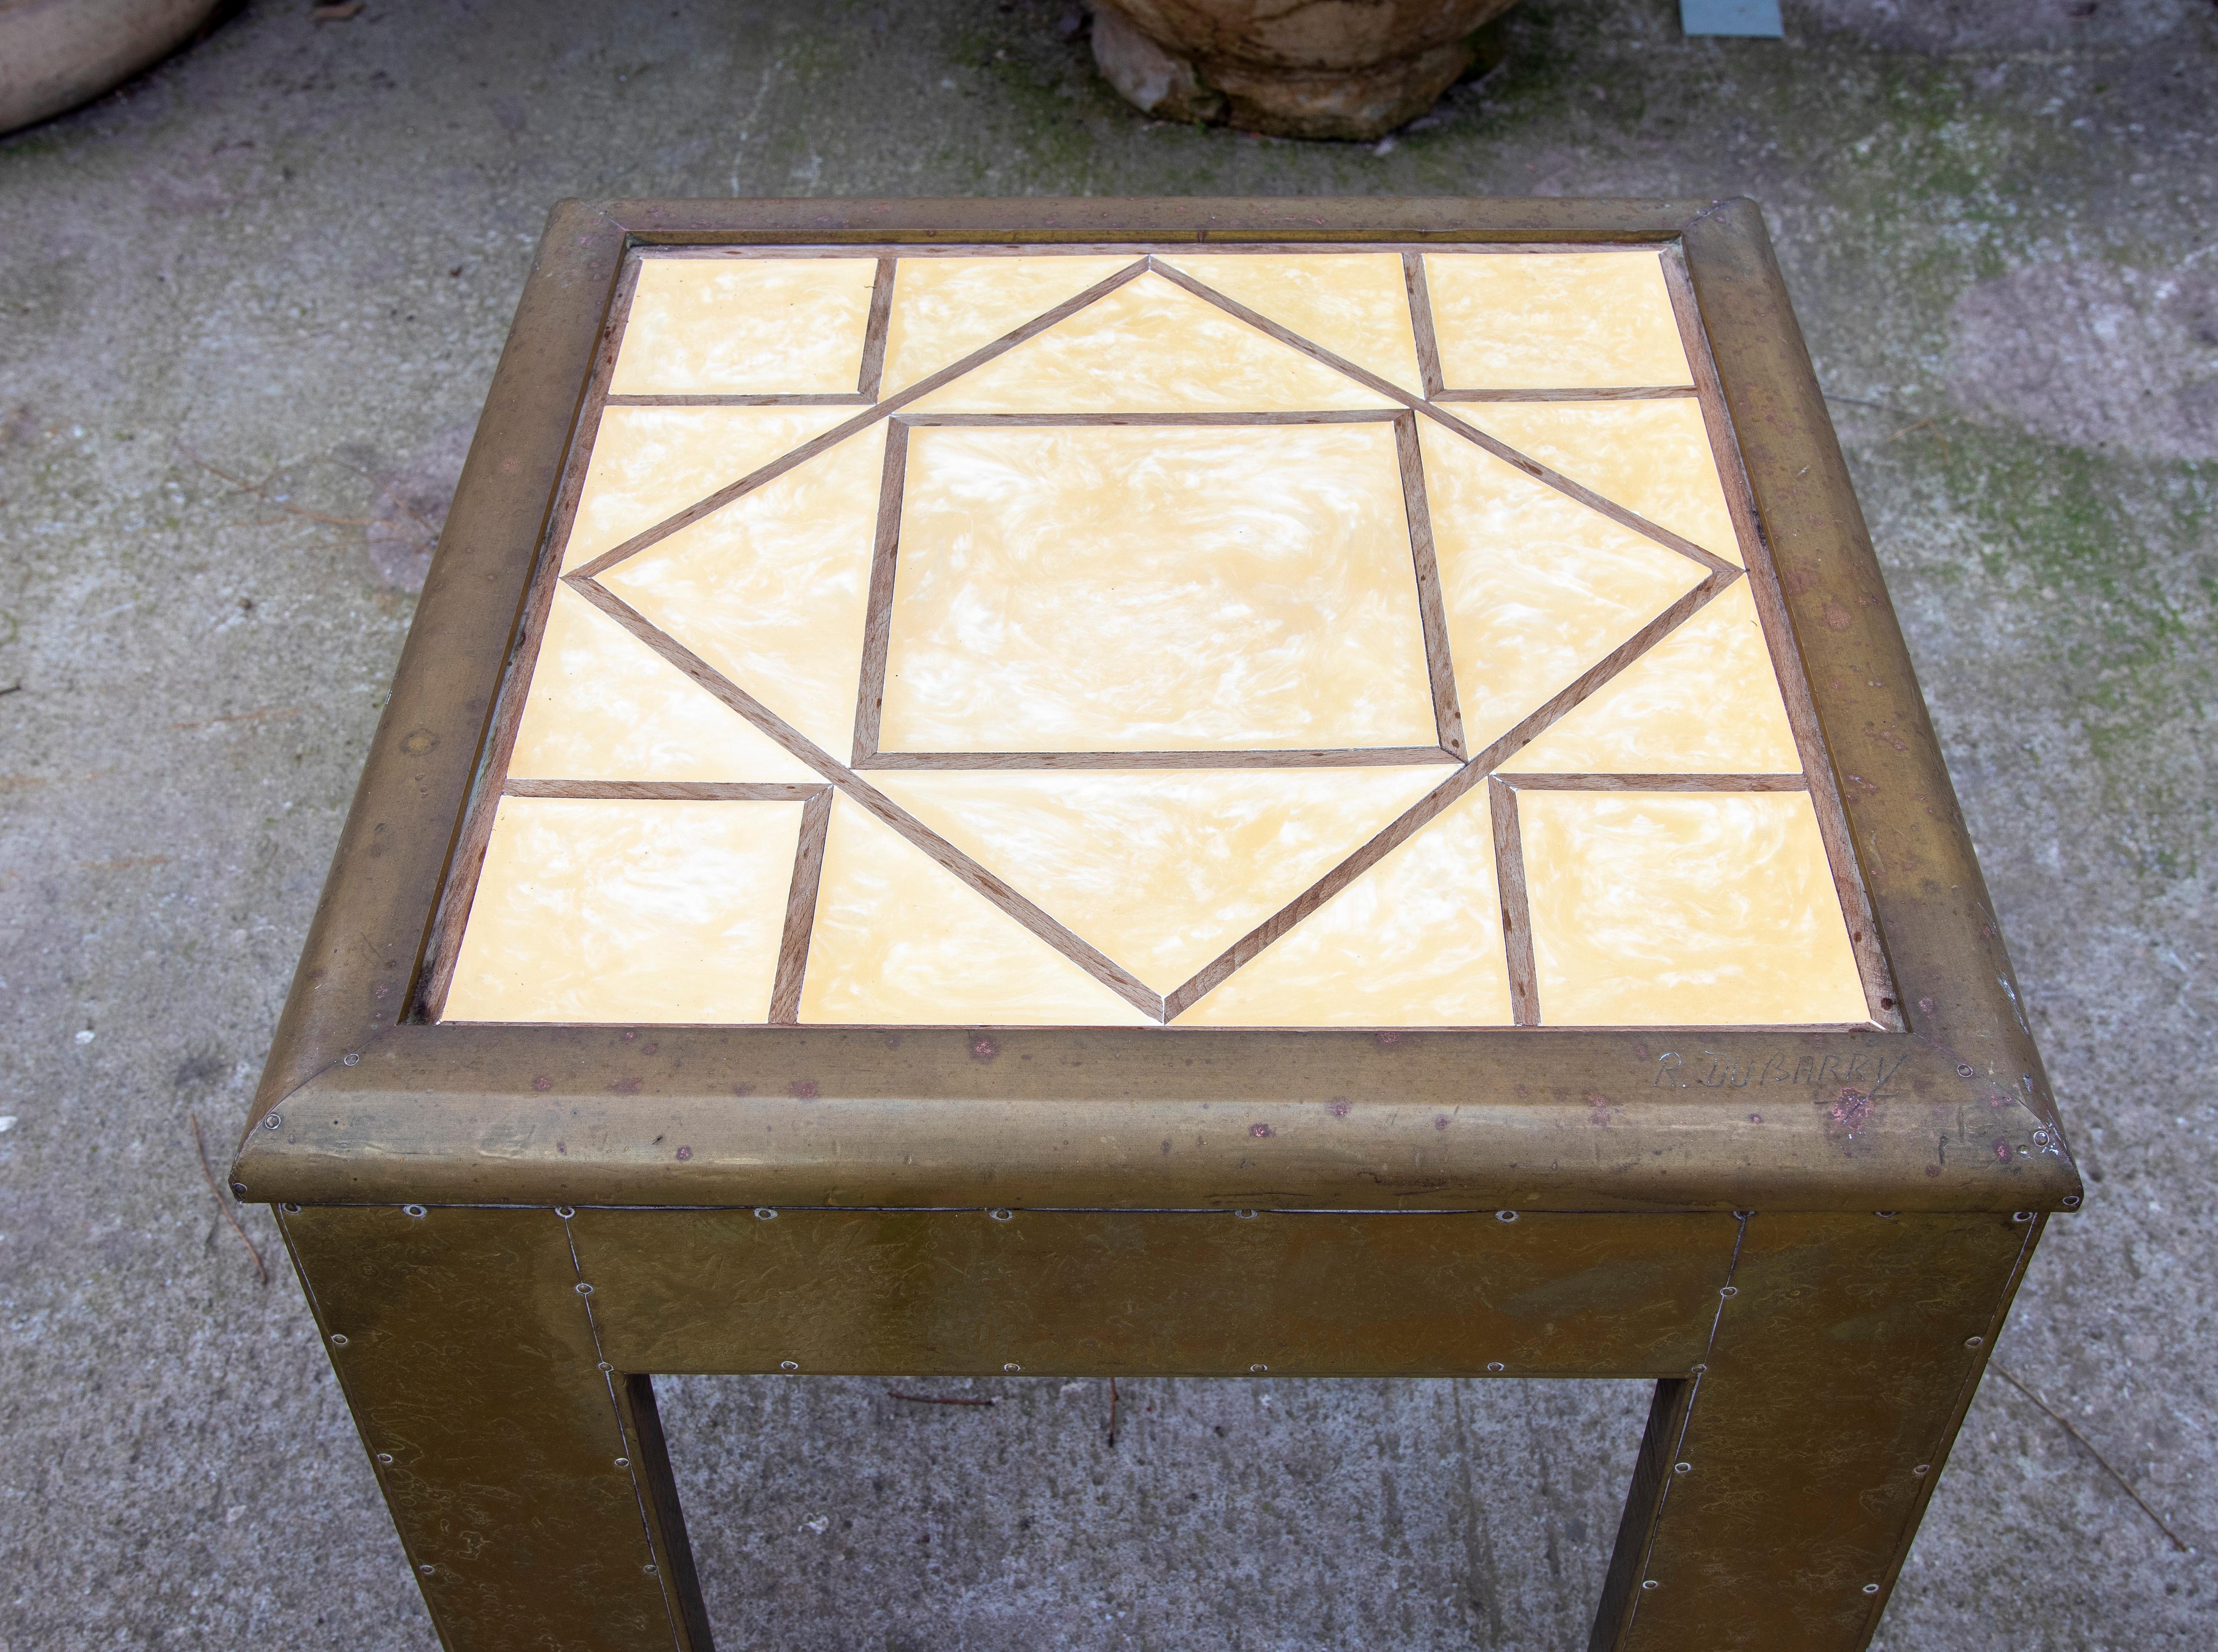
(1150, 347)
(1162, 871)
(1226, 639)
(747, 327)
(652, 462)
(1132, 588)
(1355, 304)
(604, 706)
(1670, 909)
(1554, 321)
(1652, 457)
(944, 308)
(770, 589)
(1703, 701)
(626, 911)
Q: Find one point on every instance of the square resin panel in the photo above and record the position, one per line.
(1373, 638)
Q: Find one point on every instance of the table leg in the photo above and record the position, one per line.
(528, 1481)
(1780, 1482)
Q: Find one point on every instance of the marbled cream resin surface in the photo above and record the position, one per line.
(1159, 638)
(1131, 588)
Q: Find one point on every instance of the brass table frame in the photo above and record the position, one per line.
(1808, 1238)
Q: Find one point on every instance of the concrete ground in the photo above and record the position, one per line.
(249, 301)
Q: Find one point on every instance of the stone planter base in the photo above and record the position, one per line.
(56, 55)
(1352, 71)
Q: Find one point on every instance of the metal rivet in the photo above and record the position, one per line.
(1245, 1216)
(385, 1456)
(1257, 1371)
(1696, 1371)
(1013, 1366)
(584, 1290)
(1729, 1290)
(564, 1211)
(352, 1058)
(272, 1121)
(764, 1213)
(1974, 1342)
(1923, 1468)
(2021, 1215)
(1505, 1215)
(788, 1366)
(1496, 1366)
(2070, 1201)
(425, 1570)
(623, 1463)
(1966, 1070)
(1647, 1582)
(1001, 1216)
(1871, 1588)
(339, 1340)
(648, 1568)
(1682, 1468)
(290, 1210)
(606, 1366)
(412, 1209)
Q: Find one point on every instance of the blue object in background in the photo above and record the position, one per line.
(1755, 17)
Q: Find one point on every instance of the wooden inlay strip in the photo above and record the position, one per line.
(1680, 783)
(1083, 953)
(1214, 242)
(1338, 415)
(1377, 757)
(1516, 908)
(801, 906)
(1627, 393)
(1879, 993)
(1421, 323)
(831, 399)
(1502, 450)
(458, 891)
(1432, 613)
(839, 433)
(874, 335)
(878, 608)
(669, 791)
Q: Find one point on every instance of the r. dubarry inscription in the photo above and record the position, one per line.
(1709, 1070)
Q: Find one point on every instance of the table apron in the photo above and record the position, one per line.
(1071, 1293)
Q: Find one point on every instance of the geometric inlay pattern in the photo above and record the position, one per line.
(1254, 638)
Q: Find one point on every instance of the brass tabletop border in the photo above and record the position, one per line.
(479, 1105)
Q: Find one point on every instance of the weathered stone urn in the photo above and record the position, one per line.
(1350, 69)
(56, 55)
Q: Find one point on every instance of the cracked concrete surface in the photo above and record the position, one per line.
(246, 298)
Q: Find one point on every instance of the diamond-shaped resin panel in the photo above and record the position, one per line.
(1158, 638)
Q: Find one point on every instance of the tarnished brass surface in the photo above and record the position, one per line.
(1094, 1292)
(536, 1510)
(1813, 1367)
(1812, 1435)
(815, 1117)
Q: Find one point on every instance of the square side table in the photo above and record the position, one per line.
(1183, 786)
